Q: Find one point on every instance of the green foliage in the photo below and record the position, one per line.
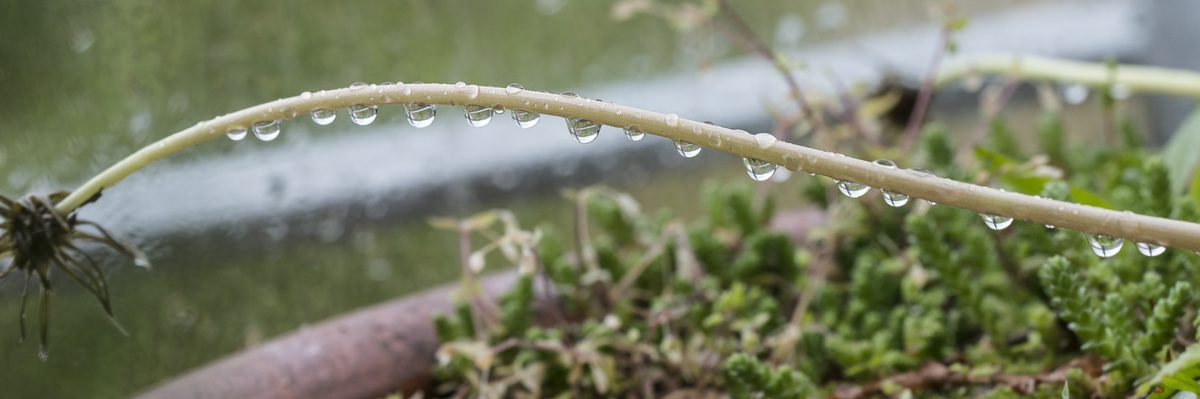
(712, 306)
(748, 378)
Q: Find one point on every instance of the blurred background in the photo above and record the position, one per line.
(253, 239)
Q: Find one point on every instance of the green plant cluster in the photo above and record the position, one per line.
(920, 301)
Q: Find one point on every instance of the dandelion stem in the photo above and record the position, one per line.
(1087, 219)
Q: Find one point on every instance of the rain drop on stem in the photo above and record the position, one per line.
(633, 134)
(1150, 250)
(852, 189)
(526, 119)
(363, 114)
(514, 89)
(583, 130)
(420, 114)
(236, 134)
(267, 130)
(478, 116)
(758, 169)
(996, 222)
(323, 116)
(687, 149)
(1105, 246)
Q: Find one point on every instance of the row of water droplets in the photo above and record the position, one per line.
(585, 131)
(1102, 245)
(419, 115)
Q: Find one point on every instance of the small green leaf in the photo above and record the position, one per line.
(1086, 197)
(1182, 153)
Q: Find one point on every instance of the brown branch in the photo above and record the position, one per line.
(936, 375)
(741, 30)
(918, 116)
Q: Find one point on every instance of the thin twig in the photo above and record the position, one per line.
(937, 375)
(743, 31)
(918, 115)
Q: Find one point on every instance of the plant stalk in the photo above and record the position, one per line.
(1088, 219)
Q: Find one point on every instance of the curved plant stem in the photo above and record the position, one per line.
(1137, 78)
(762, 146)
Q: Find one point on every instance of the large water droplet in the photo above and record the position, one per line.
(266, 130)
(633, 134)
(514, 88)
(420, 114)
(526, 119)
(1075, 93)
(852, 189)
(323, 116)
(687, 149)
(758, 169)
(893, 199)
(585, 131)
(363, 114)
(478, 116)
(236, 134)
(996, 222)
(1105, 246)
(1150, 250)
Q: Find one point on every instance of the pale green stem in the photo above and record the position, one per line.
(762, 146)
(1137, 78)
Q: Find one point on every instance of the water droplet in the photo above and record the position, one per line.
(266, 130)
(1150, 250)
(358, 86)
(758, 169)
(687, 149)
(672, 120)
(323, 116)
(526, 119)
(852, 189)
(765, 140)
(236, 134)
(478, 116)
(420, 114)
(363, 114)
(633, 134)
(996, 222)
(1051, 227)
(1075, 93)
(1105, 246)
(460, 84)
(306, 95)
(893, 199)
(472, 92)
(514, 88)
(585, 131)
